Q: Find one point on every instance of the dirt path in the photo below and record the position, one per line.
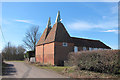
(23, 70)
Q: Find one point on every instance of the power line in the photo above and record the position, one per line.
(2, 34)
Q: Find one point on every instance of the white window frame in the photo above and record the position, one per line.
(84, 48)
(75, 49)
(95, 48)
(100, 48)
(65, 44)
(90, 49)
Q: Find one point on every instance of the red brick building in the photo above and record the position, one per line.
(55, 44)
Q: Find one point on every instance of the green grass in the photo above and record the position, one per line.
(50, 67)
(15, 61)
(73, 72)
(54, 68)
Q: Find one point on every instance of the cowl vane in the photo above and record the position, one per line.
(49, 23)
(58, 17)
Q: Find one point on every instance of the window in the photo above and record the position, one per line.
(100, 48)
(90, 49)
(95, 48)
(75, 49)
(64, 44)
(84, 49)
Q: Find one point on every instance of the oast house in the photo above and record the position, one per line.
(55, 44)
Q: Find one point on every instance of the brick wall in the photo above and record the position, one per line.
(48, 50)
(61, 52)
(49, 53)
(39, 53)
(54, 53)
(80, 48)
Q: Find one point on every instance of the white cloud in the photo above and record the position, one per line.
(83, 25)
(80, 25)
(115, 31)
(104, 17)
(24, 21)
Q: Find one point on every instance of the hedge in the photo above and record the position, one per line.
(106, 61)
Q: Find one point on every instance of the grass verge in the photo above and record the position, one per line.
(73, 72)
(58, 69)
(15, 61)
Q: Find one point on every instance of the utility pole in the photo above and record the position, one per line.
(8, 45)
(8, 51)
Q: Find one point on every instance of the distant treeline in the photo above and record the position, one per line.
(13, 53)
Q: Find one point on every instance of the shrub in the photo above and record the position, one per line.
(106, 61)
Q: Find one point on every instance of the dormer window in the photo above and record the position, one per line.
(64, 44)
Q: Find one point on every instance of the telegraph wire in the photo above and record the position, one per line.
(2, 34)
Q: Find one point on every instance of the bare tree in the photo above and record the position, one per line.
(31, 38)
(11, 52)
(20, 49)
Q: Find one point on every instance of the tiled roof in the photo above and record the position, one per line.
(44, 36)
(89, 43)
(58, 34)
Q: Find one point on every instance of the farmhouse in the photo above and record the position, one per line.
(55, 44)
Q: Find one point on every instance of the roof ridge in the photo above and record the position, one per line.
(85, 39)
(58, 33)
(56, 30)
(48, 31)
(52, 30)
